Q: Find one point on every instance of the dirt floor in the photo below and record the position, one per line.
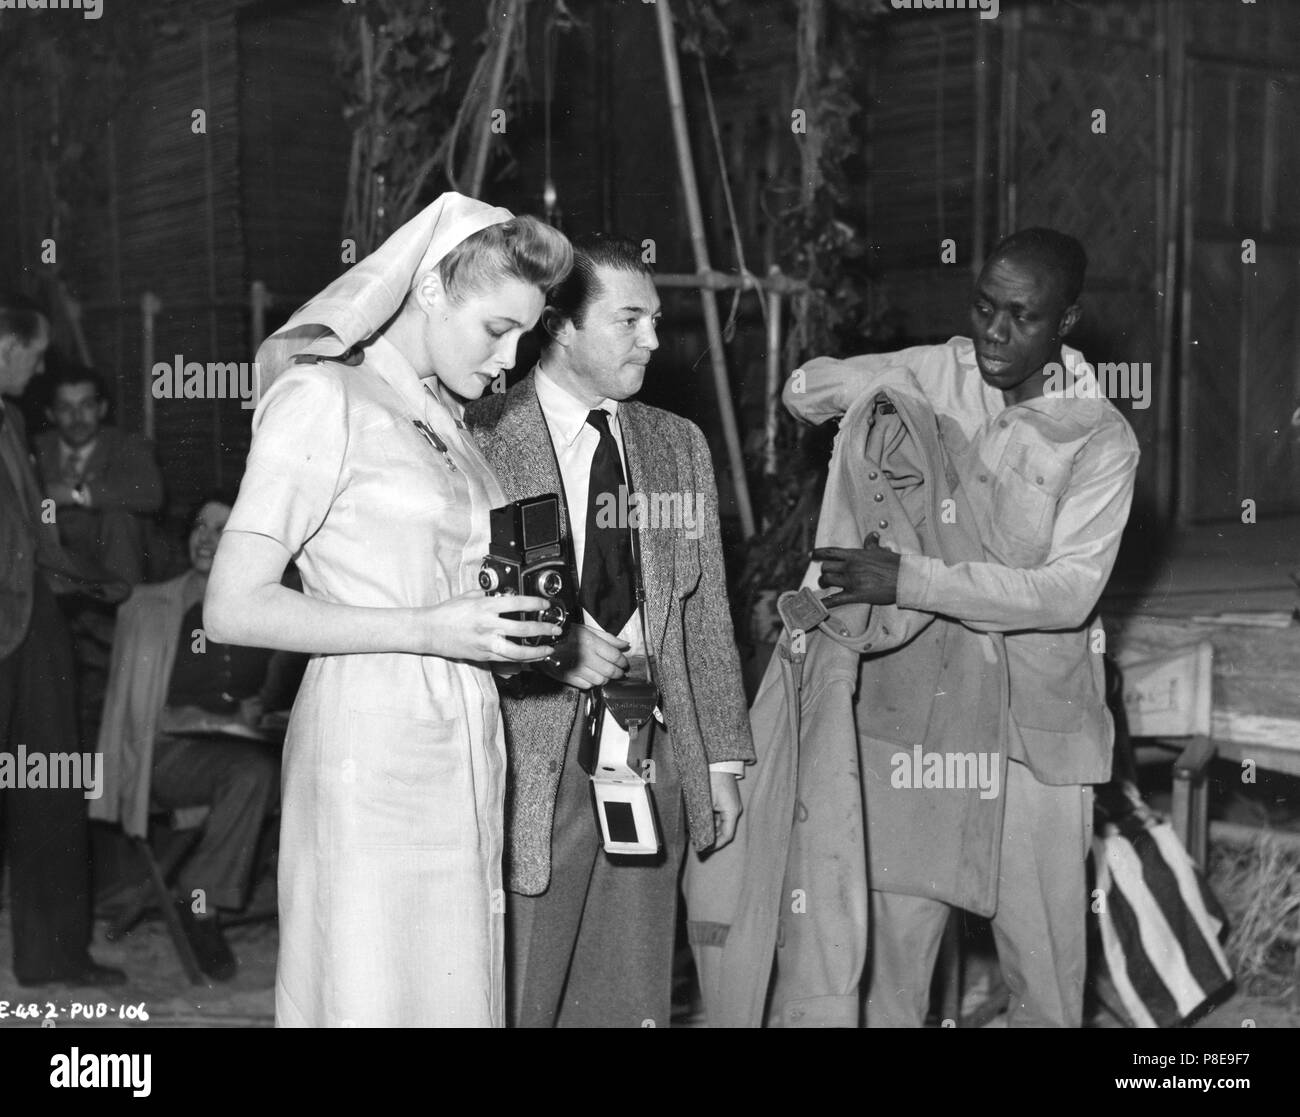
(158, 986)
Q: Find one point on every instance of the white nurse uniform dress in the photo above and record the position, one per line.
(391, 903)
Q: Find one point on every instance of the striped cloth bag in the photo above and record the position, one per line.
(1158, 922)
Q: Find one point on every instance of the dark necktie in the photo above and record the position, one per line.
(607, 572)
(74, 467)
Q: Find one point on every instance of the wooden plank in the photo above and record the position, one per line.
(1256, 675)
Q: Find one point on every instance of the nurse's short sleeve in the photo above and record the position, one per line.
(300, 438)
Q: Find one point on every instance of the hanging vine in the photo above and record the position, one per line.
(397, 65)
(411, 136)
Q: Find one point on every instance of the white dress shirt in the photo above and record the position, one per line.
(575, 441)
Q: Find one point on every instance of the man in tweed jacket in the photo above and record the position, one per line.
(590, 936)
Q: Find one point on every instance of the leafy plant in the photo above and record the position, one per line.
(397, 64)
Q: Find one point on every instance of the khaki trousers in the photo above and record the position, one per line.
(1039, 928)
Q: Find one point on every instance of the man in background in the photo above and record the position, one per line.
(46, 837)
(103, 481)
(104, 484)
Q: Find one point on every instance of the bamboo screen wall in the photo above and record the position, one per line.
(193, 217)
(977, 127)
(182, 238)
(1241, 342)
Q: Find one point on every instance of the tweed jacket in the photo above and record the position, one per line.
(19, 531)
(824, 817)
(690, 631)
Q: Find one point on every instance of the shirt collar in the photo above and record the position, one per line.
(566, 415)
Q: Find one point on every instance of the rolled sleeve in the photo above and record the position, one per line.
(826, 387)
(1061, 592)
(300, 437)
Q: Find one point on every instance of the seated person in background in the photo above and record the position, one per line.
(104, 484)
(190, 708)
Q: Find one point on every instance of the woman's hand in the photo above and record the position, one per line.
(471, 627)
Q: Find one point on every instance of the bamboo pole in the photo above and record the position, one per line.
(712, 324)
(483, 141)
(1186, 373)
(980, 219)
(1174, 79)
(150, 305)
(772, 399)
(258, 300)
(726, 281)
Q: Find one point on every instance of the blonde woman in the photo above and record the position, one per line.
(362, 472)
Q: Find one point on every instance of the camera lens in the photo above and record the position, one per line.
(553, 614)
(489, 579)
(550, 583)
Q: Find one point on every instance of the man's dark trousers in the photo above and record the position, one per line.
(595, 950)
(46, 835)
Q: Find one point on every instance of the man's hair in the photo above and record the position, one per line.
(66, 373)
(581, 287)
(523, 248)
(1058, 251)
(21, 317)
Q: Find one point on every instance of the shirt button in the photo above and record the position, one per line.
(1039, 480)
(552, 766)
(872, 475)
(1002, 423)
(884, 523)
(878, 497)
(984, 478)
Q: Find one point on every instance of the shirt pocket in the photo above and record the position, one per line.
(1029, 485)
(409, 782)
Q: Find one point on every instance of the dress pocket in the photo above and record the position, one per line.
(409, 782)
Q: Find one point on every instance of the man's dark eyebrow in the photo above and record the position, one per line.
(635, 310)
(983, 296)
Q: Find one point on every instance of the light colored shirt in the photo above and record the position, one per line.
(575, 441)
(1050, 480)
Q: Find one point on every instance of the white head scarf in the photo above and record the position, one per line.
(354, 306)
